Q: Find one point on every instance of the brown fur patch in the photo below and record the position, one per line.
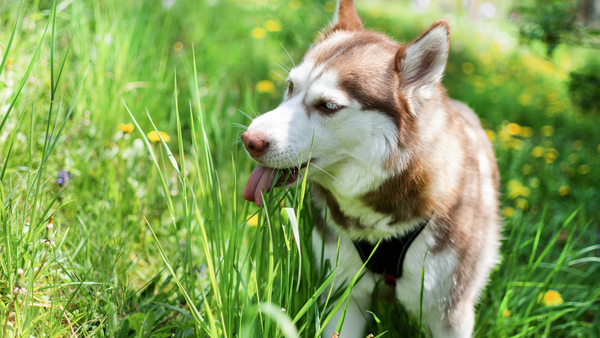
(403, 195)
(343, 221)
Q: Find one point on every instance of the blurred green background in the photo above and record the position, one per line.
(516, 64)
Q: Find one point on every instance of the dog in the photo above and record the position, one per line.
(392, 160)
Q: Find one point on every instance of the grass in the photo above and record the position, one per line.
(152, 239)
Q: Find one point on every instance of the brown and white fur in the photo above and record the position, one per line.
(389, 150)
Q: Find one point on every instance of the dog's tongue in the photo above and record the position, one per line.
(261, 178)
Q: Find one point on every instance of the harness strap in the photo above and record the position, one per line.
(389, 257)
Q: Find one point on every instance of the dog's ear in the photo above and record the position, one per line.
(345, 17)
(421, 63)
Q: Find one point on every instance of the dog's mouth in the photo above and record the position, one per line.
(262, 178)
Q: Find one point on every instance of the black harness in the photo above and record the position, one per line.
(389, 256)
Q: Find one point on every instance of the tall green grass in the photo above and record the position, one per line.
(153, 239)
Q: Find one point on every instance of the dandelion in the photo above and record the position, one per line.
(126, 128)
(504, 135)
(508, 211)
(522, 203)
(491, 135)
(258, 32)
(563, 191)
(468, 68)
(550, 298)
(517, 144)
(295, 4)
(584, 169)
(20, 285)
(506, 313)
(577, 144)
(252, 221)
(329, 7)
(550, 157)
(154, 137)
(524, 99)
(513, 128)
(178, 46)
(265, 86)
(538, 151)
(547, 130)
(272, 26)
(516, 189)
(526, 132)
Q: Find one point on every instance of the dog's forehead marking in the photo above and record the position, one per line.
(316, 83)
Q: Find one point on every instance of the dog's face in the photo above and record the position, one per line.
(350, 105)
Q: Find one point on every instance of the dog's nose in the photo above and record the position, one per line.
(256, 143)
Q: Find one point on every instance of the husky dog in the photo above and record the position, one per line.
(392, 159)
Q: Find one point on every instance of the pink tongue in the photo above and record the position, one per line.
(261, 178)
(256, 184)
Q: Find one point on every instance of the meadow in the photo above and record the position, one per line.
(149, 234)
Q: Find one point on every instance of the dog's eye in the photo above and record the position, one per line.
(290, 87)
(330, 106)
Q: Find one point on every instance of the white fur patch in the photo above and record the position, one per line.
(432, 47)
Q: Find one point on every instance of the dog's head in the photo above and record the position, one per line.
(351, 106)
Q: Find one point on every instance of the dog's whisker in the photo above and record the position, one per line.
(244, 113)
(278, 74)
(235, 143)
(253, 111)
(239, 125)
(328, 174)
(285, 68)
(288, 54)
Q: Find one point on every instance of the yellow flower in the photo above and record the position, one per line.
(126, 128)
(178, 46)
(563, 191)
(524, 99)
(526, 132)
(522, 203)
(508, 211)
(252, 220)
(468, 68)
(550, 298)
(272, 26)
(295, 4)
(265, 86)
(491, 135)
(517, 144)
(547, 130)
(329, 7)
(153, 136)
(506, 313)
(550, 157)
(514, 129)
(577, 144)
(538, 151)
(258, 33)
(584, 169)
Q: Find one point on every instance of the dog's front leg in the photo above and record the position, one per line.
(347, 268)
